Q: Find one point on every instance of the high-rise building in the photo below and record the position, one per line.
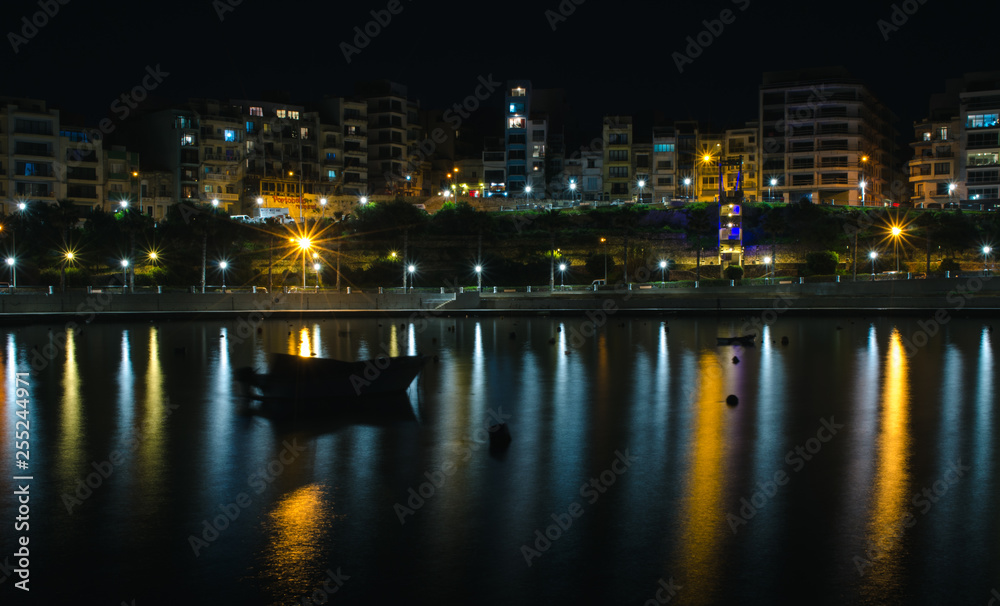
(389, 145)
(827, 139)
(517, 111)
(30, 164)
(618, 170)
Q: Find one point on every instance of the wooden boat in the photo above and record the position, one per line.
(301, 378)
(744, 340)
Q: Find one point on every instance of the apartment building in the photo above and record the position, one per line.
(742, 143)
(517, 114)
(979, 119)
(30, 161)
(827, 139)
(663, 179)
(389, 144)
(617, 159)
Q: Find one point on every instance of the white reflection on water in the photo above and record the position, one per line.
(71, 434)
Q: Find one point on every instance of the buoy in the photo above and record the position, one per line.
(736, 360)
(732, 400)
(499, 436)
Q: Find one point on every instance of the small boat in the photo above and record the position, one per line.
(744, 340)
(297, 377)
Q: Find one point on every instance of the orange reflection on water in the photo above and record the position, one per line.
(296, 530)
(70, 431)
(703, 519)
(890, 515)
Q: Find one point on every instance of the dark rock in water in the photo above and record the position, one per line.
(784, 340)
(552, 341)
(736, 360)
(434, 340)
(567, 352)
(402, 326)
(840, 328)
(732, 400)
(558, 328)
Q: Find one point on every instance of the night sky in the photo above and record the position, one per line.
(611, 57)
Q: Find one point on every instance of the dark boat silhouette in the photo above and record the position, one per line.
(744, 340)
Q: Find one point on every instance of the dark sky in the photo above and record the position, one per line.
(610, 56)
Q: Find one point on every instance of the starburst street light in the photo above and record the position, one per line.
(986, 259)
(873, 255)
(562, 275)
(896, 231)
(479, 278)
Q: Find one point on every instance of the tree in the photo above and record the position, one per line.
(822, 263)
(703, 221)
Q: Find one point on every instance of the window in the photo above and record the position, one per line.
(618, 172)
(331, 156)
(208, 189)
(984, 193)
(257, 111)
(515, 123)
(942, 189)
(538, 135)
(984, 176)
(618, 155)
(331, 175)
(182, 122)
(618, 139)
(663, 147)
(983, 140)
(229, 135)
(619, 188)
(927, 136)
(538, 151)
(516, 108)
(591, 163)
(591, 184)
(800, 180)
(983, 121)
(517, 139)
(281, 113)
(664, 165)
(665, 181)
(250, 126)
(642, 160)
(710, 181)
(942, 168)
(304, 133)
(75, 136)
(518, 92)
(986, 159)
(293, 115)
(188, 139)
(943, 133)
(516, 154)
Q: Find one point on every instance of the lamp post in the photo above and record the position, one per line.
(11, 263)
(562, 275)
(527, 193)
(896, 231)
(687, 185)
(317, 267)
(767, 266)
(770, 189)
(67, 258)
(411, 269)
(663, 268)
(862, 185)
(124, 274)
(322, 204)
(605, 242)
(986, 260)
(873, 255)
(479, 278)
(222, 266)
(642, 186)
(304, 245)
(572, 191)
(951, 191)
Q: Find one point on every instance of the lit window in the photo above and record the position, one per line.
(663, 147)
(187, 139)
(943, 132)
(517, 108)
(518, 92)
(293, 115)
(927, 136)
(515, 123)
(282, 113)
(983, 120)
(304, 132)
(331, 175)
(229, 134)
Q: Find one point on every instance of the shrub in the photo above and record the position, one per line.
(822, 262)
(734, 272)
(950, 265)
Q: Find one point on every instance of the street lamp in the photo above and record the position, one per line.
(663, 267)
(896, 231)
(572, 189)
(317, 267)
(605, 242)
(124, 274)
(687, 184)
(215, 202)
(479, 278)
(223, 265)
(363, 200)
(67, 258)
(770, 189)
(986, 260)
(411, 269)
(767, 266)
(13, 269)
(562, 275)
(642, 186)
(527, 193)
(873, 255)
(304, 245)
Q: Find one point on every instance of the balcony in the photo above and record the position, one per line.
(219, 177)
(220, 197)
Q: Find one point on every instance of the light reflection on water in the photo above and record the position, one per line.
(657, 392)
